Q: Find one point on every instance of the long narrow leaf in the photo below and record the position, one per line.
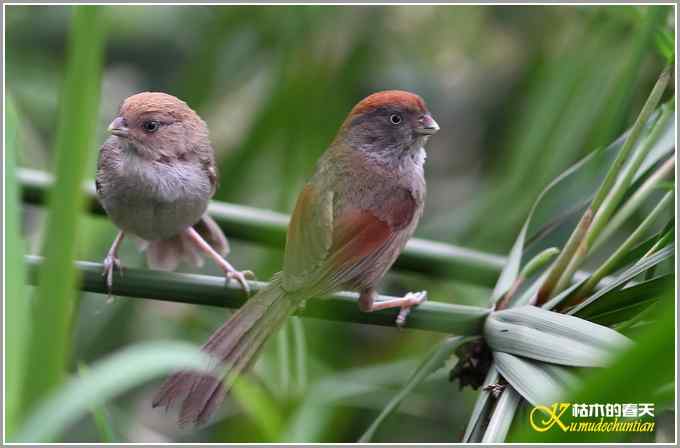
(53, 307)
(626, 276)
(481, 408)
(261, 408)
(502, 416)
(557, 338)
(563, 325)
(107, 379)
(535, 381)
(617, 305)
(431, 363)
(16, 301)
(634, 377)
(101, 417)
(577, 173)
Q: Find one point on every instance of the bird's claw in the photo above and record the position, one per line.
(242, 277)
(111, 264)
(411, 299)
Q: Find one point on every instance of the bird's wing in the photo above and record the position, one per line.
(309, 238)
(323, 253)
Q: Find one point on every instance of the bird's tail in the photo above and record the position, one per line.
(168, 253)
(236, 345)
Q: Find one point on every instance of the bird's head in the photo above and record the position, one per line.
(155, 124)
(391, 123)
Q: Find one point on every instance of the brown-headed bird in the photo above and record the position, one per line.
(350, 223)
(155, 176)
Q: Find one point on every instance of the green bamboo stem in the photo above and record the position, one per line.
(667, 238)
(606, 225)
(631, 241)
(211, 290)
(615, 196)
(663, 172)
(267, 227)
(576, 247)
(631, 139)
(565, 279)
(564, 258)
(533, 266)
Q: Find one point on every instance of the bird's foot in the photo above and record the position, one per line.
(409, 301)
(111, 264)
(229, 271)
(240, 276)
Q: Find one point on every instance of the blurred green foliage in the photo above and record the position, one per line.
(16, 305)
(520, 93)
(53, 306)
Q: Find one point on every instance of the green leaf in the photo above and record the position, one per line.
(539, 261)
(105, 380)
(634, 377)
(259, 406)
(578, 173)
(433, 361)
(502, 416)
(660, 239)
(665, 43)
(537, 382)
(308, 423)
(626, 276)
(638, 266)
(552, 337)
(300, 351)
(662, 139)
(607, 197)
(49, 345)
(620, 304)
(663, 147)
(512, 266)
(482, 407)
(361, 380)
(655, 142)
(17, 319)
(632, 138)
(609, 265)
(101, 417)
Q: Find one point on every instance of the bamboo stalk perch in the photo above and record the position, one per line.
(211, 290)
(267, 227)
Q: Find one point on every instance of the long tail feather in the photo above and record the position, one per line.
(236, 345)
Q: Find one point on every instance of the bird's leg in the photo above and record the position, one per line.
(367, 303)
(228, 269)
(111, 262)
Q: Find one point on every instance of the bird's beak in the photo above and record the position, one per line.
(119, 127)
(427, 125)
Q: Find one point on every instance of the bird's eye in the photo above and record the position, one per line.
(150, 126)
(395, 119)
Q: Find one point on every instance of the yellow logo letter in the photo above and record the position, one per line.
(552, 414)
